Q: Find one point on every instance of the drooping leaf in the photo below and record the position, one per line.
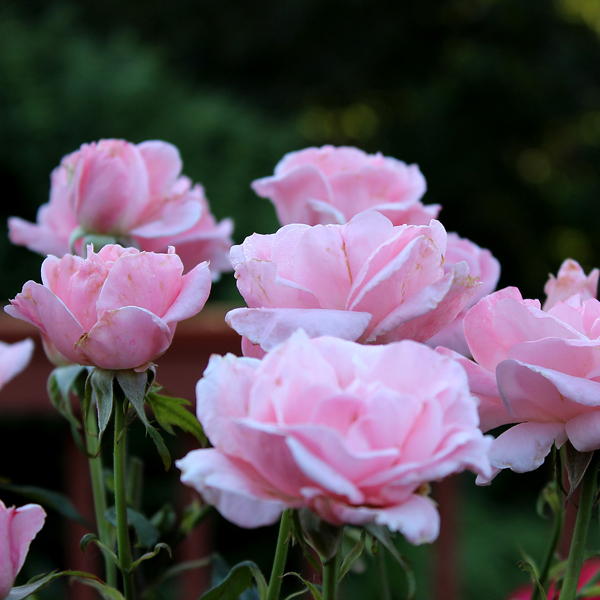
(325, 538)
(48, 499)
(237, 581)
(382, 535)
(90, 538)
(353, 555)
(576, 463)
(107, 592)
(312, 588)
(134, 387)
(525, 566)
(38, 583)
(101, 381)
(146, 532)
(60, 384)
(171, 411)
(149, 555)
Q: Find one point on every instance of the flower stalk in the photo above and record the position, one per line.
(280, 556)
(331, 573)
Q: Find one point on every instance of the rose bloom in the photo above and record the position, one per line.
(13, 359)
(570, 280)
(365, 281)
(128, 191)
(588, 570)
(116, 309)
(18, 526)
(540, 369)
(331, 185)
(482, 265)
(353, 432)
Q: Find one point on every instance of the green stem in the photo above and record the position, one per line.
(99, 493)
(331, 574)
(280, 556)
(384, 584)
(584, 513)
(120, 483)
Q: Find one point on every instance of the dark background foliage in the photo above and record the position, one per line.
(498, 101)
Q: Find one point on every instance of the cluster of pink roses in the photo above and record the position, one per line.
(338, 405)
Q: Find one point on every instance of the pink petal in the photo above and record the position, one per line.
(268, 327)
(14, 358)
(163, 164)
(584, 431)
(125, 338)
(175, 216)
(195, 289)
(239, 498)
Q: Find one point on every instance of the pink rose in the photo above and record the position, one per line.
(331, 185)
(130, 192)
(482, 265)
(206, 240)
(570, 280)
(352, 432)
(116, 309)
(539, 369)
(13, 359)
(365, 281)
(18, 526)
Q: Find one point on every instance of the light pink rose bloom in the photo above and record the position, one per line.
(571, 280)
(482, 265)
(13, 359)
(206, 240)
(352, 432)
(540, 369)
(331, 185)
(18, 527)
(116, 309)
(132, 192)
(365, 281)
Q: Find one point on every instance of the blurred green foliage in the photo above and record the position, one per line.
(498, 101)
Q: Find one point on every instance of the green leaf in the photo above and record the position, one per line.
(239, 579)
(149, 555)
(101, 381)
(134, 387)
(353, 555)
(382, 534)
(39, 583)
(171, 411)
(47, 498)
(107, 592)
(146, 532)
(325, 538)
(577, 464)
(60, 384)
(525, 566)
(193, 514)
(89, 538)
(164, 518)
(312, 588)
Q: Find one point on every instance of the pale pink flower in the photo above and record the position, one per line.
(18, 527)
(13, 359)
(353, 432)
(206, 240)
(116, 309)
(130, 192)
(540, 369)
(365, 281)
(482, 265)
(331, 185)
(571, 280)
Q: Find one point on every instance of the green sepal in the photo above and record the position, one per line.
(48, 499)
(101, 389)
(548, 496)
(528, 567)
(146, 532)
(61, 383)
(324, 537)
(311, 587)
(171, 411)
(150, 555)
(576, 463)
(299, 537)
(40, 582)
(353, 555)
(238, 580)
(382, 535)
(134, 386)
(90, 538)
(97, 240)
